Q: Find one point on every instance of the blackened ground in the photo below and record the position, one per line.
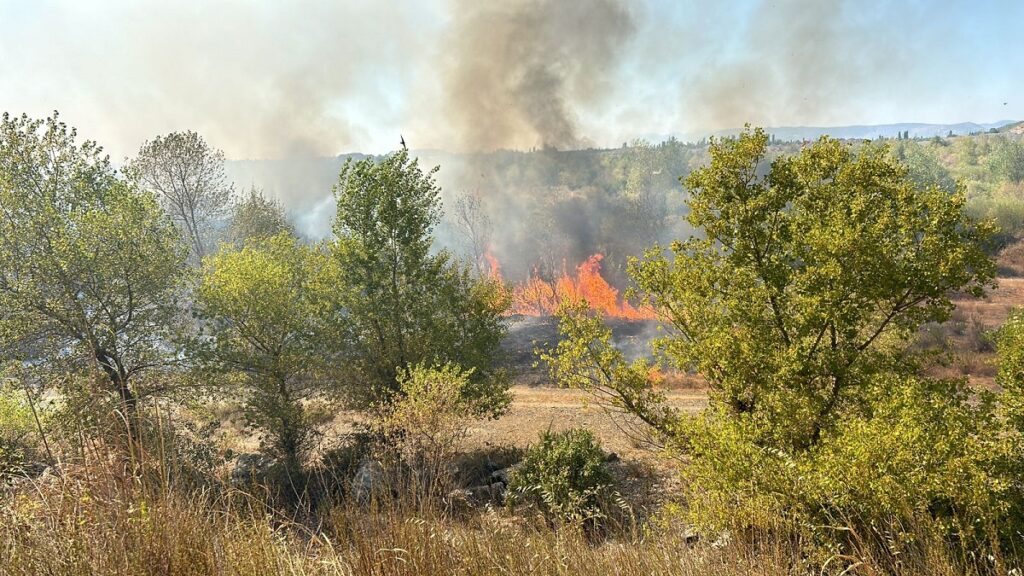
(527, 334)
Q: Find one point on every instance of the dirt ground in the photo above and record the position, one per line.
(535, 409)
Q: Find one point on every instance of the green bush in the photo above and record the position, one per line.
(563, 476)
(18, 441)
(927, 451)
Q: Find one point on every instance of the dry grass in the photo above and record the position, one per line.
(93, 521)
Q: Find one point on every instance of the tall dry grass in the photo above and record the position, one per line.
(95, 520)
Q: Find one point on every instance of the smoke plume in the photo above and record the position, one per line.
(514, 74)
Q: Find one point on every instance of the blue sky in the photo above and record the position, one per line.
(265, 79)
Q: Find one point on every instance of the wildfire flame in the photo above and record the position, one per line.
(538, 297)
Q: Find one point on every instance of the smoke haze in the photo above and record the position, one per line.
(297, 83)
(516, 73)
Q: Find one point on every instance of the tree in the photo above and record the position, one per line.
(644, 195)
(188, 176)
(408, 304)
(266, 315)
(925, 168)
(90, 267)
(1010, 347)
(809, 279)
(807, 282)
(796, 305)
(256, 217)
(475, 226)
(1007, 160)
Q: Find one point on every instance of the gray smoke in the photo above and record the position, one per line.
(516, 73)
(257, 79)
(800, 62)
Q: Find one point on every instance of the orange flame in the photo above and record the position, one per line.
(537, 297)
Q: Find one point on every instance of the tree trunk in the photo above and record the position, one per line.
(119, 380)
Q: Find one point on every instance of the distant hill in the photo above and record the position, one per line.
(1015, 128)
(862, 132)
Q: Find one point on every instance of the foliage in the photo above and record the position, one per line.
(257, 217)
(1010, 348)
(188, 177)
(1007, 160)
(428, 419)
(1005, 209)
(19, 442)
(89, 266)
(267, 325)
(586, 359)
(796, 305)
(924, 166)
(563, 475)
(807, 280)
(925, 451)
(407, 304)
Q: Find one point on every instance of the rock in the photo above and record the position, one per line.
(368, 481)
(503, 475)
(250, 469)
(466, 498)
(723, 540)
(459, 501)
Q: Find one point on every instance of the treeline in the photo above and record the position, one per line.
(621, 201)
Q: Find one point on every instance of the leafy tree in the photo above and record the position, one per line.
(1007, 160)
(1010, 346)
(89, 266)
(924, 167)
(409, 305)
(256, 217)
(796, 306)
(188, 176)
(809, 279)
(266, 316)
(643, 194)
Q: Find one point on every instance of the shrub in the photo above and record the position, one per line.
(927, 451)
(564, 476)
(17, 430)
(426, 420)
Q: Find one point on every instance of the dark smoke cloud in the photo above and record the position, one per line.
(515, 74)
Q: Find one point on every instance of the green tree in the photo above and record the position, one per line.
(410, 305)
(265, 311)
(796, 306)
(90, 267)
(809, 279)
(256, 217)
(1007, 160)
(1010, 347)
(187, 174)
(925, 168)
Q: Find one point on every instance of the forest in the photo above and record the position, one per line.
(759, 356)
